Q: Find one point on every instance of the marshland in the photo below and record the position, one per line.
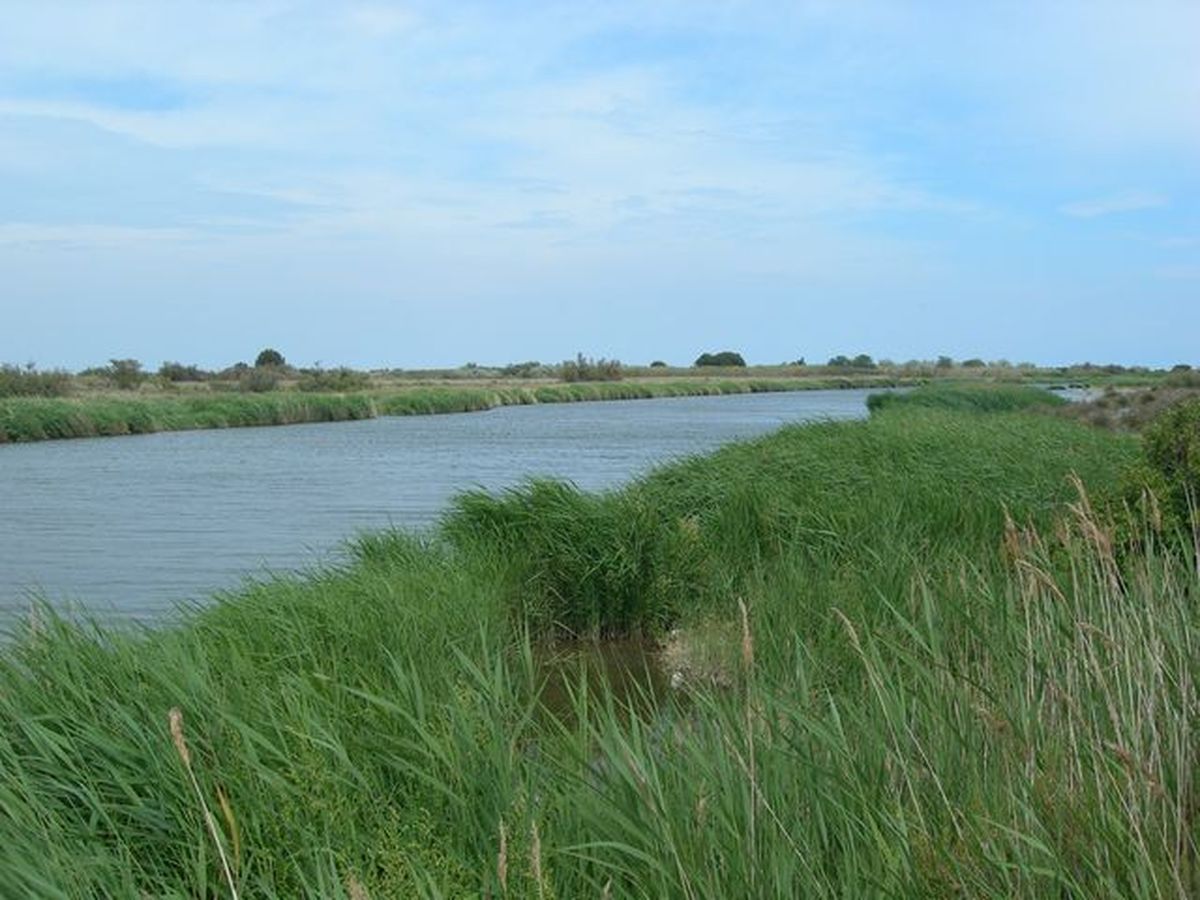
(122, 398)
(439, 456)
(948, 649)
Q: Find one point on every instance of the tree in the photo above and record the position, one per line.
(723, 358)
(944, 362)
(174, 371)
(126, 374)
(269, 357)
(863, 361)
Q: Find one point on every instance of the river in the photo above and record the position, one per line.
(126, 528)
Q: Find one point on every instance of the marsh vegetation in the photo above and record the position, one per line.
(934, 653)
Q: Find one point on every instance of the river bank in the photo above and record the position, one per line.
(939, 677)
(25, 419)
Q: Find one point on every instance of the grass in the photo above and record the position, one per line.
(941, 680)
(25, 419)
(967, 397)
(37, 419)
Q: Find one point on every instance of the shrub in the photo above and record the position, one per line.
(1171, 446)
(341, 380)
(522, 370)
(258, 380)
(28, 382)
(722, 358)
(1182, 378)
(269, 357)
(862, 361)
(584, 368)
(658, 364)
(125, 374)
(175, 372)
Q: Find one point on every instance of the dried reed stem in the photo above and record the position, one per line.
(175, 718)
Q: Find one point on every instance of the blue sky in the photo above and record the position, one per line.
(419, 184)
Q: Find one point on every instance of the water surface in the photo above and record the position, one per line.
(127, 527)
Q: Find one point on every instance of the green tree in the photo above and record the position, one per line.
(126, 374)
(722, 358)
(270, 357)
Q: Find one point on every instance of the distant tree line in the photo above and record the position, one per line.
(271, 370)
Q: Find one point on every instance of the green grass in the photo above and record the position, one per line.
(36, 419)
(947, 685)
(968, 397)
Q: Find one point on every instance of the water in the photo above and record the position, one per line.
(128, 527)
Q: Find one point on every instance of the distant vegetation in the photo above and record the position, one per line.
(125, 374)
(177, 372)
(340, 380)
(269, 357)
(16, 381)
(909, 660)
(584, 368)
(258, 380)
(722, 358)
(967, 398)
(862, 362)
(40, 418)
(476, 386)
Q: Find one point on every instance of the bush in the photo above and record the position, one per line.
(341, 380)
(658, 364)
(723, 358)
(1182, 378)
(1171, 446)
(176, 372)
(862, 361)
(269, 357)
(526, 369)
(584, 368)
(125, 374)
(28, 382)
(258, 380)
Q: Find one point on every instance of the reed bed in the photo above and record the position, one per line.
(968, 397)
(25, 419)
(941, 677)
(39, 419)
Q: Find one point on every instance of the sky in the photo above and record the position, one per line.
(417, 184)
